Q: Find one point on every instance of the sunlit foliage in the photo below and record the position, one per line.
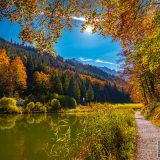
(42, 21)
(13, 74)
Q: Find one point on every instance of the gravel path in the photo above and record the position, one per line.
(148, 137)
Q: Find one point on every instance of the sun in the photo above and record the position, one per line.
(89, 29)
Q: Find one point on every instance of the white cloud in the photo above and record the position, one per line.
(83, 19)
(85, 59)
(104, 62)
(79, 18)
(95, 61)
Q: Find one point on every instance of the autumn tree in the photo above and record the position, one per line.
(4, 67)
(43, 21)
(17, 77)
(142, 66)
(43, 82)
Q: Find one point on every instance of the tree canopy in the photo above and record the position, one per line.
(42, 21)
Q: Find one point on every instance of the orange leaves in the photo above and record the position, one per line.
(127, 20)
(12, 75)
(42, 79)
(4, 60)
(4, 64)
(91, 79)
(18, 72)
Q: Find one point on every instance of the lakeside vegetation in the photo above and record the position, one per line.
(104, 133)
(110, 134)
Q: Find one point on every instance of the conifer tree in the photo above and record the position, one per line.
(65, 83)
(74, 90)
(83, 90)
(90, 94)
(57, 85)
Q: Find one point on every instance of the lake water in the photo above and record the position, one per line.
(39, 136)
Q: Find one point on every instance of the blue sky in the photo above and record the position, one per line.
(86, 47)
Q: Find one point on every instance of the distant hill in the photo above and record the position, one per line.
(91, 70)
(109, 71)
(67, 75)
(60, 63)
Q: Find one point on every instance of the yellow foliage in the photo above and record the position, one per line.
(18, 72)
(42, 79)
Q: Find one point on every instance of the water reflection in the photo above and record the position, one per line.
(39, 136)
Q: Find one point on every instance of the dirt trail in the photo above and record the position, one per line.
(148, 137)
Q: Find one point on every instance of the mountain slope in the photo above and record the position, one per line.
(60, 63)
(66, 77)
(109, 71)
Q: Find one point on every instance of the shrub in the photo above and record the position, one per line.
(38, 105)
(55, 105)
(43, 109)
(8, 105)
(152, 112)
(152, 107)
(30, 107)
(67, 102)
(149, 110)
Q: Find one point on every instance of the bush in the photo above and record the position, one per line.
(8, 105)
(38, 105)
(30, 107)
(43, 109)
(149, 110)
(35, 107)
(152, 112)
(55, 105)
(67, 102)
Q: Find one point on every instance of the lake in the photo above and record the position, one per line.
(39, 136)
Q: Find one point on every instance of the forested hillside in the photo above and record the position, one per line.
(46, 75)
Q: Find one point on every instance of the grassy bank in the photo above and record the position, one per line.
(106, 134)
(152, 113)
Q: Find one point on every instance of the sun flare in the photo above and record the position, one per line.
(89, 29)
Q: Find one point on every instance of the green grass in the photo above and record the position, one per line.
(107, 134)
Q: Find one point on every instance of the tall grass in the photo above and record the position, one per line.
(108, 135)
